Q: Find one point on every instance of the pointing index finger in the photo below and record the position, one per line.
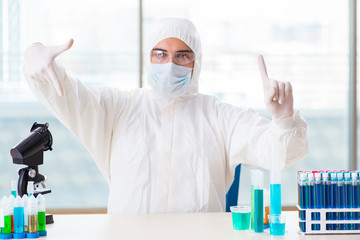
(263, 72)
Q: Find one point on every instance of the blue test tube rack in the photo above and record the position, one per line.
(310, 224)
(330, 204)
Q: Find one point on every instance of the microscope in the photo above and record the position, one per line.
(30, 152)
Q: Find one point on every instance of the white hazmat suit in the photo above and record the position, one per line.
(162, 155)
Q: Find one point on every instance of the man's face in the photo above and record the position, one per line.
(173, 50)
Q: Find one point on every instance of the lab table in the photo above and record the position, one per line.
(182, 226)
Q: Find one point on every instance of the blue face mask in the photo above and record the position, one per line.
(169, 80)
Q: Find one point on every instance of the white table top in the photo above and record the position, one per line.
(167, 226)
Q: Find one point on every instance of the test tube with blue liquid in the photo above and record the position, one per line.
(311, 196)
(19, 231)
(298, 185)
(318, 198)
(325, 190)
(303, 200)
(333, 199)
(340, 198)
(347, 198)
(275, 185)
(326, 195)
(278, 155)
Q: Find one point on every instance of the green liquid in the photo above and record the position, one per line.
(252, 207)
(13, 193)
(41, 221)
(7, 225)
(259, 210)
(241, 221)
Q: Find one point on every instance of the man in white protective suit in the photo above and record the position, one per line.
(167, 148)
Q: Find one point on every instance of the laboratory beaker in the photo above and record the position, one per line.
(277, 224)
(241, 217)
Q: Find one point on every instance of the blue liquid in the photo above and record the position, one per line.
(13, 192)
(259, 211)
(340, 204)
(302, 201)
(301, 196)
(18, 219)
(318, 203)
(303, 226)
(333, 201)
(326, 194)
(318, 196)
(299, 202)
(277, 229)
(275, 199)
(347, 201)
(340, 198)
(241, 220)
(311, 196)
(357, 215)
(348, 195)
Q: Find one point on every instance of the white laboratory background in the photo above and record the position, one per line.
(305, 42)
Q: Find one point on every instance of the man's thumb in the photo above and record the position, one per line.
(62, 48)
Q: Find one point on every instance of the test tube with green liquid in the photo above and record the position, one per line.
(41, 215)
(259, 203)
(6, 206)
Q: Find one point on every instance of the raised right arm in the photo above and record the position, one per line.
(89, 112)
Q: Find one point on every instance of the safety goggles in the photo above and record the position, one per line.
(182, 57)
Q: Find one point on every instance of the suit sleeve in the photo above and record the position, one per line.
(89, 112)
(253, 140)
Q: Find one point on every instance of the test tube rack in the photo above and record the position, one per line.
(322, 222)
